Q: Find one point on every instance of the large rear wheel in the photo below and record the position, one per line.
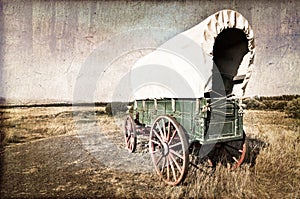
(230, 153)
(168, 148)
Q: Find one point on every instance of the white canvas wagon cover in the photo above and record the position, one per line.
(209, 57)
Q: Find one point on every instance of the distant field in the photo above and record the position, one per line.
(43, 155)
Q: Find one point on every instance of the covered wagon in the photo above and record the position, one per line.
(189, 96)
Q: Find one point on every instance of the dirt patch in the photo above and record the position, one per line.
(61, 167)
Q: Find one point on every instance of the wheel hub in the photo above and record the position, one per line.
(131, 139)
(165, 148)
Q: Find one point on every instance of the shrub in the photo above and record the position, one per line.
(275, 104)
(254, 104)
(267, 103)
(279, 105)
(293, 108)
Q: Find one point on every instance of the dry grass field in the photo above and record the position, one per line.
(44, 153)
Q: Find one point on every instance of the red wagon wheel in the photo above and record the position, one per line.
(130, 134)
(169, 150)
(232, 153)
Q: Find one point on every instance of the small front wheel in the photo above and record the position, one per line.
(130, 134)
(168, 148)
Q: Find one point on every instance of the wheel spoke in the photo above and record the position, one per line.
(174, 133)
(169, 129)
(159, 128)
(174, 145)
(175, 153)
(154, 141)
(157, 135)
(128, 138)
(234, 158)
(172, 168)
(156, 151)
(164, 128)
(159, 159)
(176, 163)
(160, 131)
(163, 165)
(168, 169)
(131, 145)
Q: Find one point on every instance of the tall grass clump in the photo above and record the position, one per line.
(220, 182)
(277, 169)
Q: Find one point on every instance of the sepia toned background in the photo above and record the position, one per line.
(44, 44)
(54, 51)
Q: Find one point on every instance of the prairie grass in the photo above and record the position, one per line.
(271, 169)
(27, 124)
